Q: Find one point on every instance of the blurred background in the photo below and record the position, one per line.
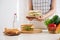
(20, 7)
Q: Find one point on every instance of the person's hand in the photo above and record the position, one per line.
(40, 18)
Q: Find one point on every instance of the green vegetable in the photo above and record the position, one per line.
(27, 28)
(48, 21)
(55, 19)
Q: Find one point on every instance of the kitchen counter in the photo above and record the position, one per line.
(37, 36)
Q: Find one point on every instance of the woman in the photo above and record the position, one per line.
(47, 7)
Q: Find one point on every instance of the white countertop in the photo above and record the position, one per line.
(37, 36)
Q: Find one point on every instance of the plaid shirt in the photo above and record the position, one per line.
(42, 5)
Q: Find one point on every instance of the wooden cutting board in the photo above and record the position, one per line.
(34, 31)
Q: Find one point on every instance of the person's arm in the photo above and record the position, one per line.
(52, 10)
(30, 5)
(50, 13)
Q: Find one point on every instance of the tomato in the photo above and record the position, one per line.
(52, 26)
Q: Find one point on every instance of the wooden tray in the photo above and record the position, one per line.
(34, 31)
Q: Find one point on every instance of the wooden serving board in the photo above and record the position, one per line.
(34, 31)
